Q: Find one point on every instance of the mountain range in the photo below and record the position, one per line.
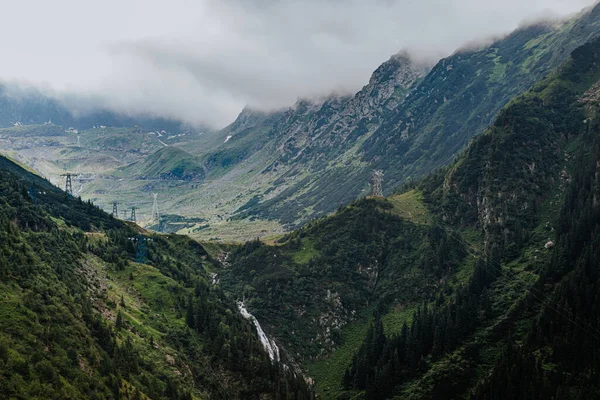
(474, 276)
(269, 172)
(476, 282)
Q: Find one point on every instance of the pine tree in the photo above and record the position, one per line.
(119, 321)
(189, 315)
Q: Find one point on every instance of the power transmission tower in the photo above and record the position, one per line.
(134, 207)
(155, 214)
(376, 187)
(141, 248)
(124, 214)
(69, 183)
(32, 193)
(115, 211)
(141, 252)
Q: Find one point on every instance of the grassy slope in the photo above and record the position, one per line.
(166, 163)
(67, 283)
(506, 296)
(328, 371)
(401, 287)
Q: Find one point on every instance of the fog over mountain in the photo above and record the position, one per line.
(203, 61)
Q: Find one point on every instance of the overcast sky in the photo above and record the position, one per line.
(204, 60)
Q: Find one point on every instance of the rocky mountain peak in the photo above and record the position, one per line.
(248, 118)
(389, 83)
(397, 70)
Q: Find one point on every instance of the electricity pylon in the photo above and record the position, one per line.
(115, 212)
(134, 207)
(69, 182)
(133, 218)
(155, 214)
(376, 187)
(141, 248)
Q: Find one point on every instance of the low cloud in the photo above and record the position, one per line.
(203, 61)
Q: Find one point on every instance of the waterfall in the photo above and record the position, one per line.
(267, 343)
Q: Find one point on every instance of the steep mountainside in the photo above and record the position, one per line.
(406, 122)
(282, 148)
(385, 300)
(81, 319)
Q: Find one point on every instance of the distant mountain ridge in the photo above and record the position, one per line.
(409, 120)
(32, 107)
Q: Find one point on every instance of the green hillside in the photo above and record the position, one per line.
(81, 319)
(166, 163)
(476, 282)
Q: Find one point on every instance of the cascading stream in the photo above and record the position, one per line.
(267, 343)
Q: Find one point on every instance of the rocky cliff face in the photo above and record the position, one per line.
(335, 124)
(332, 120)
(388, 86)
(503, 203)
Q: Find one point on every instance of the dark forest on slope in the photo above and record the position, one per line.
(501, 301)
(81, 319)
(556, 356)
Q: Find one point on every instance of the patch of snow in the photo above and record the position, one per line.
(227, 138)
(267, 343)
